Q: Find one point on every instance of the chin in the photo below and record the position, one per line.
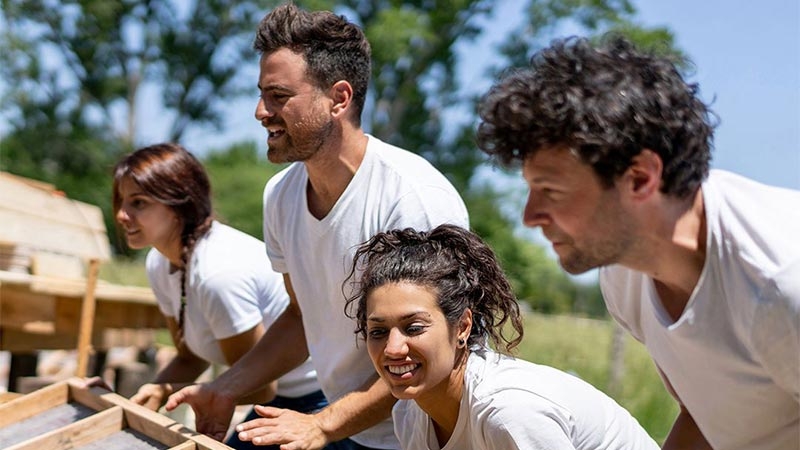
(404, 393)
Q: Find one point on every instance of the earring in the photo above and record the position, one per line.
(461, 343)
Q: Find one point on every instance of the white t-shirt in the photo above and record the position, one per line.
(509, 404)
(392, 188)
(733, 357)
(229, 290)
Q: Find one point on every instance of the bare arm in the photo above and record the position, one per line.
(234, 348)
(685, 435)
(282, 348)
(351, 414)
(183, 369)
(357, 411)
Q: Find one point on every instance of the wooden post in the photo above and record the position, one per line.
(87, 319)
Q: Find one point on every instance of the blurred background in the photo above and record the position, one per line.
(85, 81)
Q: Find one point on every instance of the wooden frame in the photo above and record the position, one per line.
(73, 416)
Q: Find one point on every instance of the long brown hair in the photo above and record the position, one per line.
(172, 176)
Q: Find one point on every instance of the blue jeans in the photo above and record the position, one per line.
(308, 404)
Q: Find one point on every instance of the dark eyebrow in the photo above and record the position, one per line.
(405, 317)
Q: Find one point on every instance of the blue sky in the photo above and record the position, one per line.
(747, 61)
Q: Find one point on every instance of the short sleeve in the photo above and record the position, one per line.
(230, 304)
(776, 329)
(427, 207)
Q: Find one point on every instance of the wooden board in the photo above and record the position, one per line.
(39, 312)
(36, 216)
(67, 415)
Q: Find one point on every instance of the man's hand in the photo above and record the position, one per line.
(152, 395)
(290, 429)
(213, 410)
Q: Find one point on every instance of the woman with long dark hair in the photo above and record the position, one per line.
(213, 283)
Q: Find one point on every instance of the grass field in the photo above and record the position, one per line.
(583, 347)
(573, 344)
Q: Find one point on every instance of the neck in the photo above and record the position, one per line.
(442, 404)
(172, 249)
(331, 170)
(674, 250)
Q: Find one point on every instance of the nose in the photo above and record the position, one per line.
(396, 346)
(122, 215)
(261, 110)
(533, 215)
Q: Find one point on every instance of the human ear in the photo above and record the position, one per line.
(464, 326)
(643, 177)
(342, 95)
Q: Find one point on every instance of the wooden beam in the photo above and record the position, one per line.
(77, 434)
(34, 403)
(87, 319)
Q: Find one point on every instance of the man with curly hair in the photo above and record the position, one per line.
(701, 266)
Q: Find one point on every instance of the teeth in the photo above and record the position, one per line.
(399, 370)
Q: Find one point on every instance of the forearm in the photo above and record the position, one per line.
(261, 396)
(685, 434)
(357, 411)
(281, 349)
(182, 370)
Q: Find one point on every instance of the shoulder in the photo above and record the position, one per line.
(405, 165)
(155, 263)
(287, 178)
(412, 192)
(229, 254)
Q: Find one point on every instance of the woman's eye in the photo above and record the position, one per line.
(414, 329)
(376, 333)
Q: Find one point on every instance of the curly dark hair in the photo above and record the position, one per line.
(334, 48)
(607, 103)
(456, 264)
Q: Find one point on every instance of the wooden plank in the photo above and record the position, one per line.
(19, 306)
(206, 443)
(89, 396)
(8, 396)
(47, 220)
(159, 426)
(78, 433)
(17, 341)
(83, 418)
(33, 403)
(136, 417)
(187, 445)
(88, 307)
(66, 287)
(56, 265)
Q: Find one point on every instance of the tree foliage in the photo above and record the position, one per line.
(74, 71)
(238, 175)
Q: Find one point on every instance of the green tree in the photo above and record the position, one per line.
(238, 175)
(73, 72)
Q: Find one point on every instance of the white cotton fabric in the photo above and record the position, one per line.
(392, 188)
(510, 404)
(733, 357)
(230, 288)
